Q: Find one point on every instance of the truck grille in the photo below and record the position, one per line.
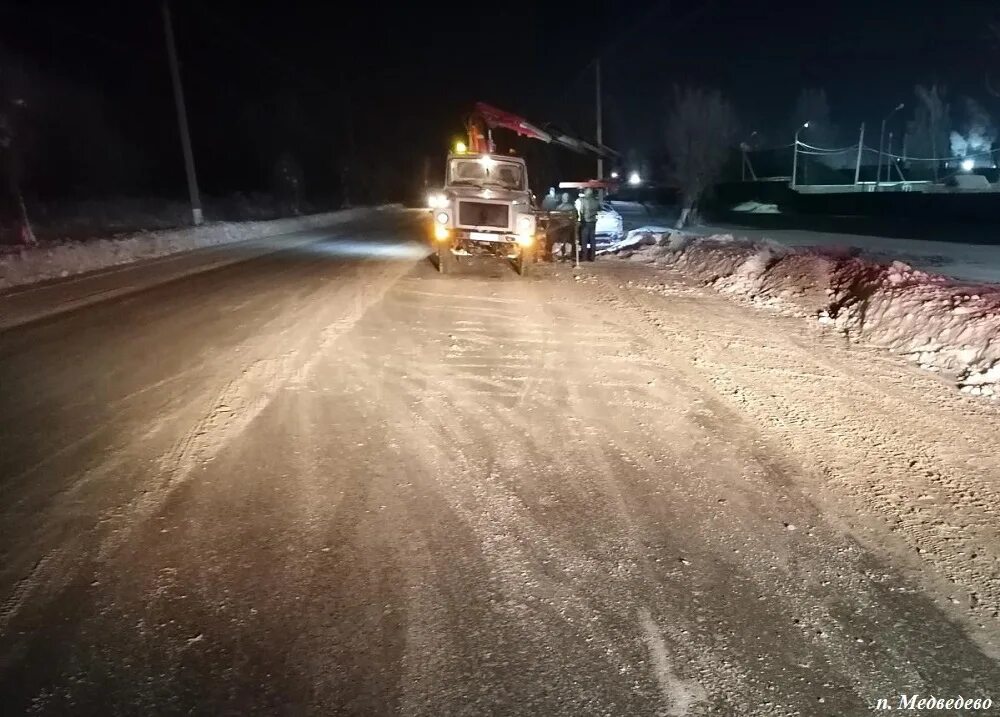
(482, 214)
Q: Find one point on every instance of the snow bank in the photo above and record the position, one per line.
(943, 325)
(637, 237)
(51, 260)
(757, 208)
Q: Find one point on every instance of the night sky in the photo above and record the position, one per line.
(270, 76)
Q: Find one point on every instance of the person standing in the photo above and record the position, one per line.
(589, 207)
(568, 228)
(551, 201)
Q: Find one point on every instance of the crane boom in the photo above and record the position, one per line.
(490, 117)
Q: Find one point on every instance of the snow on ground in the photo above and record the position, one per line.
(945, 326)
(757, 208)
(51, 260)
(966, 262)
(647, 235)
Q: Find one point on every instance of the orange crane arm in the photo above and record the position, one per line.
(489, 117)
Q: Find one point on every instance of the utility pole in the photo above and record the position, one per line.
(881, 145)
(888, 160)
(861, 145)
(175, 77)
(347, 166)
(795, 154)
(600, 122)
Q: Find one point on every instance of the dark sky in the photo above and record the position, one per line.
(265, 74)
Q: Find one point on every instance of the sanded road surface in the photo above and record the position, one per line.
(332, 481)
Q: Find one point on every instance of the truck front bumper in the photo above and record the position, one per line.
(466, 242)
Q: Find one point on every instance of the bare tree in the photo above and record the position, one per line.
(288, 183)
(14, 224)
(976, 134)
(991, 86)
(701, 130)
(927, 134)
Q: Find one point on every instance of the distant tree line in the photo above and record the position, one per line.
(63, 143)
(702, 131)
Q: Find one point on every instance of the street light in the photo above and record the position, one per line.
(745, 147)
(795, 153)
(881, 144)
(614, 175)
(968, 165)
(634, 179)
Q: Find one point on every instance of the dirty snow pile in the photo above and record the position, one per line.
(50, 260)
(944, 326)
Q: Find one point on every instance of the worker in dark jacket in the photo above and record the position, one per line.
(567, 232)
(589, 207)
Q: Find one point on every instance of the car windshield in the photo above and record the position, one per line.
(484, 171)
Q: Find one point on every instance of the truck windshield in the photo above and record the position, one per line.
(483, 171)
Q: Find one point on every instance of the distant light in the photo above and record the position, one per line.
(805, 125)
(614, 175)
(634, 179)
(460, 148)
(968, 165)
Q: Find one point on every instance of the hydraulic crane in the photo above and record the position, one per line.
(487, 117)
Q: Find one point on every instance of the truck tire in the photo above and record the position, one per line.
(446, 260)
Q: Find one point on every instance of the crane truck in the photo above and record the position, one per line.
(486, 206)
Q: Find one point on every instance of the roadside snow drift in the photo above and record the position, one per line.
(51, 260)
(647, 235)
(943, 325)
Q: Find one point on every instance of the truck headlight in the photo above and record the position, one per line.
(525, 224)
(436, 200)
(441, 217)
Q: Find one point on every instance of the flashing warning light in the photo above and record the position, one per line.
(460, 148)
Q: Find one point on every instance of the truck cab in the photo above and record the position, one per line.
(485, 208)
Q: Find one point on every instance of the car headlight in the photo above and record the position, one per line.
(441, 217)
(525, 224)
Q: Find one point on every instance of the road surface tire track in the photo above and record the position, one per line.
(877, 452)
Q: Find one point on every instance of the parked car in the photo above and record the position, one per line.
(610, 226)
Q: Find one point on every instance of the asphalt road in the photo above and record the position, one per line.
(331, 481)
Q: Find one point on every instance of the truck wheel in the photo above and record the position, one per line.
(524, 260)
(446, 260)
